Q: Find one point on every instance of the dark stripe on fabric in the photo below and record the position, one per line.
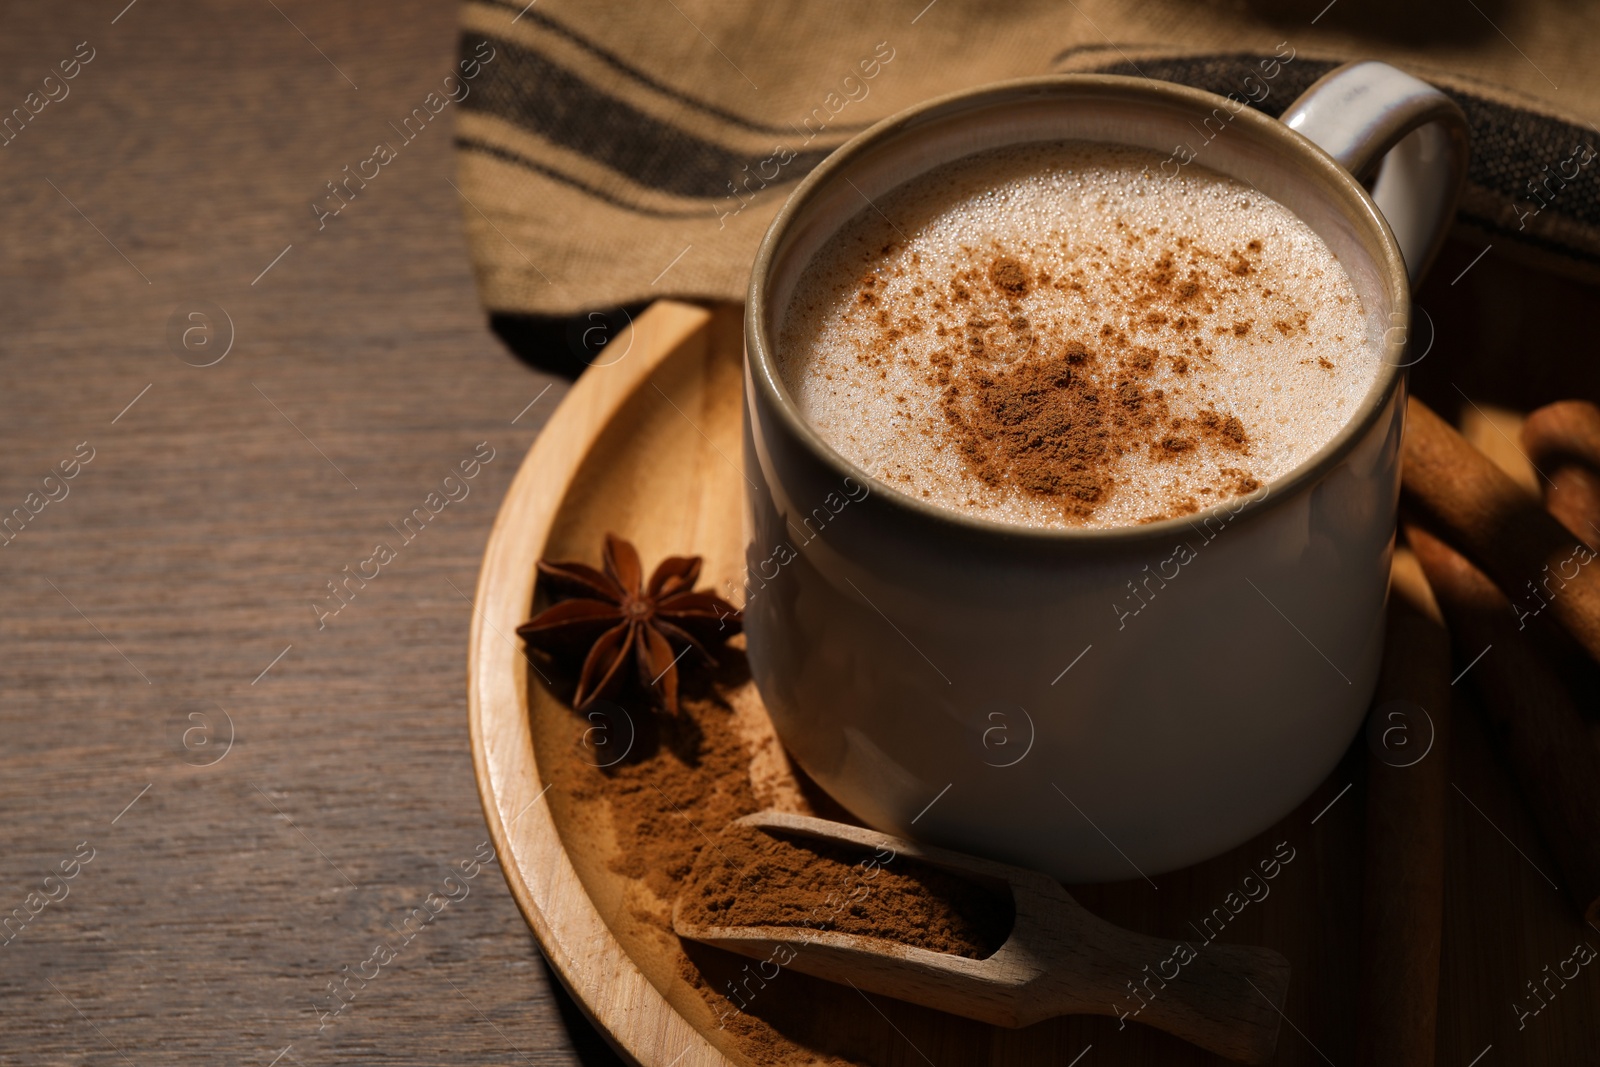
(541, 96)
(506, 155)
(1510, 145)
(1226, 72)
(622, 66)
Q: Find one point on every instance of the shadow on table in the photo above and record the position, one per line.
(591, 1048)
(563, 346)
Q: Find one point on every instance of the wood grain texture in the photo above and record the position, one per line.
(215, 909)
(218, 907)
(1408, 805)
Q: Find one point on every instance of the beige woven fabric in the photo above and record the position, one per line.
(616, 152)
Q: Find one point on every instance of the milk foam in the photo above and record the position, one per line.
(1212, 341)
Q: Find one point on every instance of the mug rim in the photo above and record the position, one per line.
(765, 377)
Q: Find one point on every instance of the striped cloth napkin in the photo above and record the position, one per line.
(616, 151)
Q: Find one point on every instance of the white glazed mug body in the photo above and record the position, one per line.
(1097, 704)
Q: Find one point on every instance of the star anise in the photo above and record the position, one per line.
(609, 617)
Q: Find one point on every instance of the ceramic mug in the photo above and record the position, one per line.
(999, 689)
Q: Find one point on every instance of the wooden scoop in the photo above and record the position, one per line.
(1059, 959)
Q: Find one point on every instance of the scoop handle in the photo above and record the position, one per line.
(1227, 999)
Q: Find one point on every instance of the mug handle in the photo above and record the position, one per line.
(1368, 114)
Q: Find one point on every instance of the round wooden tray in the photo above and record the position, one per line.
(647, 444)
(551, 511)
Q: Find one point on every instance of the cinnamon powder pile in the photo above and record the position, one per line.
(755, 877)
(687, 773)
(683, 779)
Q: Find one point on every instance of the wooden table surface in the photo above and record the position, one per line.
(171, 590)
(251, 797)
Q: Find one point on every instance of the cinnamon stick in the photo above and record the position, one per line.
(1563, 441)
(1407, 788)
(1551, 756)
(1541, 567)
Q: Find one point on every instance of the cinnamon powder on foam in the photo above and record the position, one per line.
(1164, 345)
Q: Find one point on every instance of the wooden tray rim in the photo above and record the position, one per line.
(607, 985)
